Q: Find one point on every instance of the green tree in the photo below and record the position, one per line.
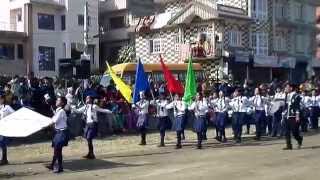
(126, 54)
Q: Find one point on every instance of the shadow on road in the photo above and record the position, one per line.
(97, 164)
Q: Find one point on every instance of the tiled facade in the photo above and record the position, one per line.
(264, 36)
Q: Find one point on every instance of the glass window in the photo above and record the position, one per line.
(80, 20)
(7, 51)
(46, 21)
(155, 46)
(235, 38)
(63, 22)
(260, 9)
(20, 51)
(46, 58)
(260, 43)
(117, 22)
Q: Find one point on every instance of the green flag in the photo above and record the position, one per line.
(190, 89)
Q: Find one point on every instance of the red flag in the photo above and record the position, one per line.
(173, 85)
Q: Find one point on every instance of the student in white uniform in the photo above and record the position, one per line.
(259, 103)
(314, 102)
(61, 137)
(239, 107)
(221, 107)
(179, 114)
(200, 108)
(5, 110)
(90, 111)
(142, 109)
(164, 122)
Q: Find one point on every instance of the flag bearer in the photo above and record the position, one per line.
(5, 110)
(61, 136)
(200, 108)
(90, 115)
(142, 108)
(179, 107)
(239, 107)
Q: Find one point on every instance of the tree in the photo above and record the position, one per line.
(126, 54)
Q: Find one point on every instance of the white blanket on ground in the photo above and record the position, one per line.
(23, 123)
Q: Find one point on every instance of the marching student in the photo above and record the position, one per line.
(221, 107)
(200, 108)
(61, 136)
(305, 102)
(142, 108)
(5, 110)
(314, 102)
(277, 127)
(258, 102)
(164, 122)
(90, 115)
(292, 116)
(179, 108)
(239, 107)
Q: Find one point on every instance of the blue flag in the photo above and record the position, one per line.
(141, 83)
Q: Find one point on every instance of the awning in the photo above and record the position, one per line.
(287, 62)
(266, 61)
(242, 56)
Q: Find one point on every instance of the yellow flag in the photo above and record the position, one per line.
(124, 89)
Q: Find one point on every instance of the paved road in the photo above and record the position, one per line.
(251, 161)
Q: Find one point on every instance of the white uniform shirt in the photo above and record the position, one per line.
(312, 101)
(60, 119)
(279, 96)
(5, 110)
(221, 104)
(142, 106)
(200, 108)
(178, 106)
(90, 111)
(162, 110)
(258, 102)
(239, 104)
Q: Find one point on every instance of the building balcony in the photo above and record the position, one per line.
(112, 35)
(56, 3)
(137, 7)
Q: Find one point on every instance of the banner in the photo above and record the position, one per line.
(23, 123)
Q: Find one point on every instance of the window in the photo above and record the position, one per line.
(80, 20)
(7, 51)
(235, 38)
(260, 9)
(20, 51)
(19, 17)
(298, 11)
(302, 43)
(281, 11)
(260, 43)
(280, 43)
(155, 46)
(46, 58)
(177, 43)
(63, 22)
(117, 22)
(46, 21)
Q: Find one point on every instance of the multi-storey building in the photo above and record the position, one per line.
(256, 39)
(117, 21)
(51, 30)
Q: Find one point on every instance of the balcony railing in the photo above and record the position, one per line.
(53, 2)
